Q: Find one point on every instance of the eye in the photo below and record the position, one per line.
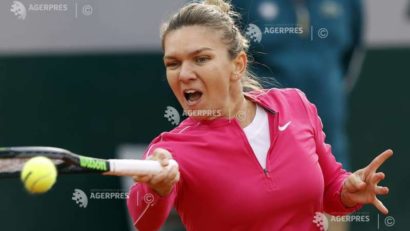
(202, 59)
(171, 64)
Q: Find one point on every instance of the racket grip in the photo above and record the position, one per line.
(124, 167)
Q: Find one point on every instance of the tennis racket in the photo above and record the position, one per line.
(12, 160)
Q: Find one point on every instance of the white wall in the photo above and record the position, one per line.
(119, 25)
(388, 23)
(133, 25)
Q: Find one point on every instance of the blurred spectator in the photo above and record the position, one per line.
(314, 45)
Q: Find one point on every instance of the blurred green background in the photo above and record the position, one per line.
(91, 104)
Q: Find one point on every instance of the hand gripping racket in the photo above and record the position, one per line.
(12, 160)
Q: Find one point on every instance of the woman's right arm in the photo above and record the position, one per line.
(150, 200)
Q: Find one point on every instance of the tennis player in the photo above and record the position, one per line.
(249, 159)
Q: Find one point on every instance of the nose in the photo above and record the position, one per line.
(186, 73)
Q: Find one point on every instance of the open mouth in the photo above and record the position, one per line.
(192, 96)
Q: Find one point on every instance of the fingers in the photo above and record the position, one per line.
(380, 206)
(142, 179)
(380, 190)
(174, 174)
(160, 177)
(166, 176)
(163, 181)
(176, 178)
(378, 161)
(162, 155)
(354, 183)
(376, 178)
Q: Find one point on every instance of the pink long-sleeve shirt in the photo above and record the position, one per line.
(223, 186)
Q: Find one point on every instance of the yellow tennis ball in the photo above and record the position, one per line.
(39, 174)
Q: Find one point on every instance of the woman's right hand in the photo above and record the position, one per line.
(162, 182)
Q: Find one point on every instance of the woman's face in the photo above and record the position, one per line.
(199, 70)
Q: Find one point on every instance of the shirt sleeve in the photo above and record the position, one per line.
(147, 209)
(333, 173)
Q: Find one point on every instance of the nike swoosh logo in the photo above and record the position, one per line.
(284, 127)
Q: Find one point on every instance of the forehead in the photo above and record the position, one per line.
(191, 38)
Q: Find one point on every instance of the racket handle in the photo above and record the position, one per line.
(124, 167)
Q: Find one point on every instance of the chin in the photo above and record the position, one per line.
(202, 118)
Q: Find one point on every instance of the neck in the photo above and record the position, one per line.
(243, 110)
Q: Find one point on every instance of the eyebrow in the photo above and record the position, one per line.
(191, 53)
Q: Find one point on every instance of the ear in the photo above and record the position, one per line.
(239, 65)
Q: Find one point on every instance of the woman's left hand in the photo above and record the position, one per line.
(362, 187)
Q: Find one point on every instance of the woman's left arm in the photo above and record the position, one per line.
(345, 192)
